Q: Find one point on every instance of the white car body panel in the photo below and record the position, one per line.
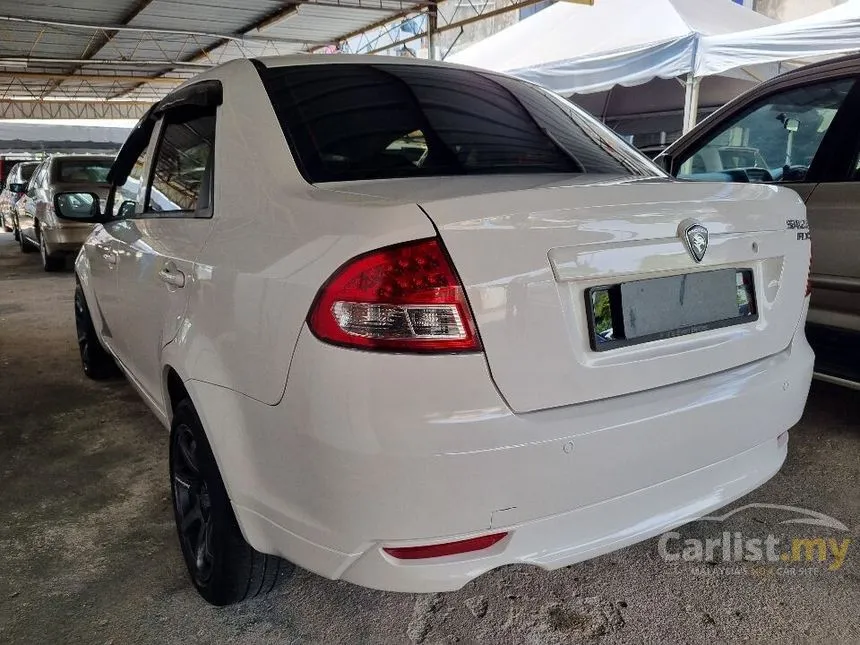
(329, 454)
(597, 231)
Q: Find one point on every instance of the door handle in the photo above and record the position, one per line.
(110, 257)
(169, 274)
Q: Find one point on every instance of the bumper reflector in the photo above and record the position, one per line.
(446, 548)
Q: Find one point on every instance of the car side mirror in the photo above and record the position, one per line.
(18, 188)
(126, 209)
(78, 207)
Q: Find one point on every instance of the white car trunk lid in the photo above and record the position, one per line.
(527, 257)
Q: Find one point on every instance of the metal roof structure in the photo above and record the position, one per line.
(111, 58)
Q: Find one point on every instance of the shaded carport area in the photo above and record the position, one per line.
(88, 551)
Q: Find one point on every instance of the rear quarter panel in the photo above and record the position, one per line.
(274, 242)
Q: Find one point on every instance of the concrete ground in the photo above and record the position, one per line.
(88, 552)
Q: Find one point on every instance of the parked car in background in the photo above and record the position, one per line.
(408, 322)
(800, 130)
(57, 238)
(14, 188)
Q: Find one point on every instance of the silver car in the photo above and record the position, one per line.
(13, 190)
(39, 224)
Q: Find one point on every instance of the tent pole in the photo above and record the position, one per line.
(432, 26)
(691, 102)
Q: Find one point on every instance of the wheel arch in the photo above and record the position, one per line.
(176, 389)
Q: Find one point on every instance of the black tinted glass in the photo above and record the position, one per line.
(27, 171)
(84, 171)
(181, 162)
(359, 121)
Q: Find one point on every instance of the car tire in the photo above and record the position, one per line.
(223, 567)
(95, 360)
(26, 247)
(50, 263)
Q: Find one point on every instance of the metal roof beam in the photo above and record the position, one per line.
(26, 61)
(35, 109)
(95, 78)
(241, 37)
(416, 8)
(269, 20)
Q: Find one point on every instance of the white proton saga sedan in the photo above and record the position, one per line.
(408, 322)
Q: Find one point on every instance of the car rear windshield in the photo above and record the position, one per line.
(349, 121)
(87, 171)
(27, 171)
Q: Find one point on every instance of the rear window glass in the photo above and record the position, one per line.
(27, 171)
(82, 170)
(347, 122)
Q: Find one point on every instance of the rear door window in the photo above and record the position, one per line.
(348, 122)
(182, 166)
(775, 139)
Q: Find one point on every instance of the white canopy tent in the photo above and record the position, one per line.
(825, 34)
(579, 49)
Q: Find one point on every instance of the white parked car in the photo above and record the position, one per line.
(409, 322)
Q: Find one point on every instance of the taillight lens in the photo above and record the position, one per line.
(405, 297)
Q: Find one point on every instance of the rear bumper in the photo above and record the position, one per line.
(367, 451)
(585, 533)
(65, 240)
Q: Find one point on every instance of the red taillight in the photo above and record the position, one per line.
(404, 298)
(446, 548)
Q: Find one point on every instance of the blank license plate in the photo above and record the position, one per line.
(635, 312)
(663, 304)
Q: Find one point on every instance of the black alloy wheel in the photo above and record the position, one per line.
(224, 568)
(192, 504)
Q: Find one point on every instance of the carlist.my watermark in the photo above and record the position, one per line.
(727, 552)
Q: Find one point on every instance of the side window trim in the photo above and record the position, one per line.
(148, 168)
(143, 147)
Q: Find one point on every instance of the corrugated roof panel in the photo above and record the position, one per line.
(220, 16)
(96, 12)
(309, 26)
(126, 45)
(23, 39)
(319, 25)
(233, 50)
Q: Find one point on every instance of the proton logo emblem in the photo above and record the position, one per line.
(695, 238)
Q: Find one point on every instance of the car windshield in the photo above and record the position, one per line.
(359, 121)
(89, 171)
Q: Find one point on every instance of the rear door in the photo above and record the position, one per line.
(157, 245)
(101, 250)
(834, 318)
